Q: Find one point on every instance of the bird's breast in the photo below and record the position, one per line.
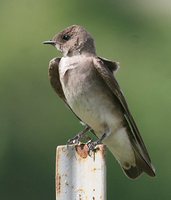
(75, 82)
(74, 74)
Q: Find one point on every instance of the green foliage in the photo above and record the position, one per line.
(33, 121)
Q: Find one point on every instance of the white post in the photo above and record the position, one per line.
(78, 175)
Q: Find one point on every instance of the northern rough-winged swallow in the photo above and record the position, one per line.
(86, 83)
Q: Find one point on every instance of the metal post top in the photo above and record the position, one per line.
(80, 174)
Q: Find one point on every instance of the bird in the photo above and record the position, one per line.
(87, 85)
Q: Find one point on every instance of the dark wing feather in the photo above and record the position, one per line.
(54, 78)
(104, 70)
(112, 65)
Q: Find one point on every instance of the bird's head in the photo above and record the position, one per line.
(72, 41)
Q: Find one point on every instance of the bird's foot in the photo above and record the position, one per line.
(78, 137)
(92, 144)
(74, 140)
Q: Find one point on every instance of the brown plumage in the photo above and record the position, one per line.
(90, 84)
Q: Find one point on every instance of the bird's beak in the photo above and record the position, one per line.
(49, 42)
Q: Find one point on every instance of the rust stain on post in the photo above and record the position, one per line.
(101, 148)
(58, 177)
(58, 183)
(82, 150)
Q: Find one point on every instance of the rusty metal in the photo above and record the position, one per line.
(80, 175)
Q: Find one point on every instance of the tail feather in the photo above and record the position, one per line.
(141, 166)
(133, 172)
(130, 153)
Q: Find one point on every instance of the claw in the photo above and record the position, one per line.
(78, 137)
(92, 145)
(74, 140)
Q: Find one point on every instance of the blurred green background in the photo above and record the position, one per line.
(33, 120)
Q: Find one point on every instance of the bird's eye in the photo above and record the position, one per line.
(66, 37)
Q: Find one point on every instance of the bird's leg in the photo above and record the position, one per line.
(91, 145)
(79, 136)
